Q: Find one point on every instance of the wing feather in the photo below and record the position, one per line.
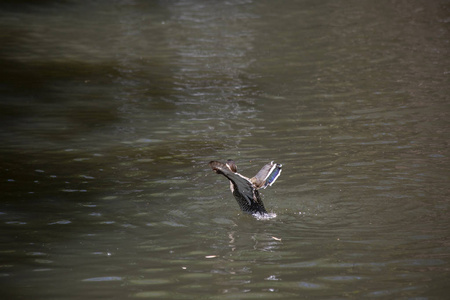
(267, 175)
(241, 184)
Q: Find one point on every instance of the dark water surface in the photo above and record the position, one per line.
(111, 110)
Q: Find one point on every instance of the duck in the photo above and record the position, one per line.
(244, 189)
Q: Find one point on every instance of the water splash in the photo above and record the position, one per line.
(265, 216)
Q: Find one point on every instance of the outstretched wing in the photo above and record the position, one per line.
(241, 184)
(267, 175)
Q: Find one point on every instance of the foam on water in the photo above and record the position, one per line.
(266, 216)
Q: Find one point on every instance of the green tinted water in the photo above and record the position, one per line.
(110, 113)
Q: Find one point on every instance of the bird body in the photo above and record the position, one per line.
(244, 189)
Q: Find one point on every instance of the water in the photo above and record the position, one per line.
(111, 111)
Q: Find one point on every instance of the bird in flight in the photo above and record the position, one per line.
(244, 189)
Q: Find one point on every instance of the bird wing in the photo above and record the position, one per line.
(267, 175)
(240, 183)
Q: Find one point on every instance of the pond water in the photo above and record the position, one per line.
(111, 110)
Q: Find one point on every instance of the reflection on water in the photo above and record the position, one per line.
(110, 113)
